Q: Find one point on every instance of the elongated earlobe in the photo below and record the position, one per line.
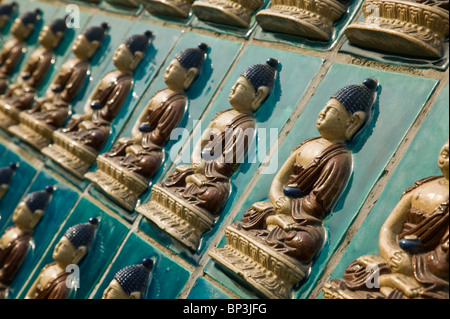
(355, 123)
(261, 94)
(190, 76)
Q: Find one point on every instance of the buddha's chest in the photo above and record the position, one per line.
(429, 196)
(159, 99)
(47, 276)
(9, 237)
(108, 80)
(224, 120)
(310, 151)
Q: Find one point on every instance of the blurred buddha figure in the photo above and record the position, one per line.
(70, 250)
(77, 145)
(16, 240)
(287, 232)
(6, 10)
(6, 174)
(130, 282)
(125, 171)
(51, 111)
(413, 244)
(20, 95)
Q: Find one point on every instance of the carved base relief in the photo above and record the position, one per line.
(33, 131)
(9, 115)
(175, 8)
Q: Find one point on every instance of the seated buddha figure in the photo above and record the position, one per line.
(312, 19)
(235, 13)
(287, 231)
(199, 192)
(70, 250)
(130, 282)
(6, 10)
(13, 48)
(413, 244)
(16, 240)
(77, 145)
(51, 111)
(20, 95)
(6, 174)
(411, 28)
(139, 157)
(172, 8)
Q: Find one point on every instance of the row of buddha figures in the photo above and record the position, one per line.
(416, 28)
(52, 282)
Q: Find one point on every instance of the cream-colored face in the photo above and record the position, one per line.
(443, 160)
(84, 49)
(115, 291)
(242, 95)
(333, 120)
(174, 75)
(65, 252)
(19, 29)
(47, 38)
(123, 59)
(24, 217)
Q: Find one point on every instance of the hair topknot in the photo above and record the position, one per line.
(193, 57)
(262, 74)
(8, 8)
(358, 97)
(31, 17)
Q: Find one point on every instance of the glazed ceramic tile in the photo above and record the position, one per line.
(167, 279)
(110, 233)
(400, 99)
(337, 31)
(220, 56)
(419, 161)
(271, 117)
(203, 289)
(61, 203)
(440, 64)
(21, 180)
(222, 28)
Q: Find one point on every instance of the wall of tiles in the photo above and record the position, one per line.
(409, 124)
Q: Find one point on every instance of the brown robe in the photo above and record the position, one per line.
(56, 289)
(11, 258)
(8, 61)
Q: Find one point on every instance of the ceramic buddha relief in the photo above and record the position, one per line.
(276, 242)
(50, 112)
(13, 48)
(125, 3)
(77, 145)
(6, 174)
(188, 202)
(20, 95)
(16, 240)
(6, 10)
(130, 282)
(70, 250)
(173, 8)
(416, 28)
(229, 12)
(125, 172)
(305, 18)
(413, 244)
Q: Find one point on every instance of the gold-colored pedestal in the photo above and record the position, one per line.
(235, 13)
(119, 184)
(9, 115)
(174, 8)
(331, 290)
(310, 19)
(401, 27)
(33, 131)
(183, 221)
(272, 274)
(70, 154)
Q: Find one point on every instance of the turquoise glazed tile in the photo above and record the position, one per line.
(62, 202)
(203, 289)
(440, 64)
(221, 55)
(167, 279)
(401, 97)
(226, 29)
(23, 176)
(104, 5)
(110, 233)
(271, 117)
(419, 161)
(2, 149)
(338, 31)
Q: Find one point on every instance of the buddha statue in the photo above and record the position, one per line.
(16, 240)
(6, 174)
(125, 171)
(414, 28)
(50, 112)
(236, 13)
(172, 8)
(311, 19)
(188, 202)
(20, 95)
(130, 282)
(125, 3)
(6, 10)
(77, 145)
(70, 250)
(413, 245)
(276, 242)
(13, 49)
